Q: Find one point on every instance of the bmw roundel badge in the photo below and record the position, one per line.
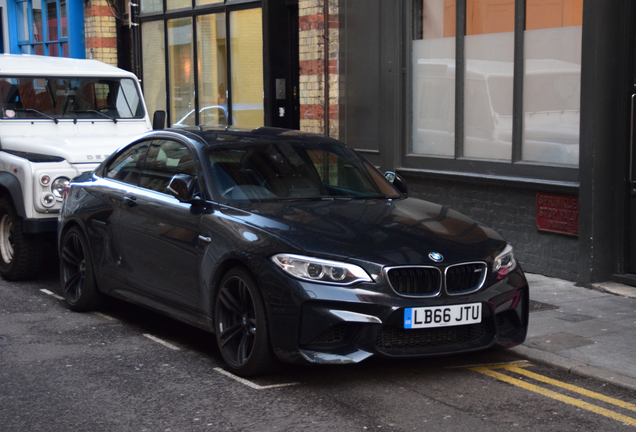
(437, 257)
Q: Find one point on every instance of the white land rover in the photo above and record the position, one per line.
(59, 117)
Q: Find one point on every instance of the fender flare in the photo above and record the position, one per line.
(12, 185)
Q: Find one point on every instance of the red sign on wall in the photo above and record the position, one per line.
(558, 213)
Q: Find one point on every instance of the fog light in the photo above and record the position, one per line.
(48, 200)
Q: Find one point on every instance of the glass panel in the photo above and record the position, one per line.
(552, 81)
(212, 67)
(542, 14)
(63, 20)
(488, 84)
(148, 6)
(64, 49)
(434, 77)
(23, 21)
(154, 65)
(180, 67)
(38, 49)
(247, 67)
(54, 50)
(178, 4)
(51, 21)
(207, 2)
(38, 35)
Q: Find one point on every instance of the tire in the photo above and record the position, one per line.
(20, 253)
(241, 326)
(76, 272)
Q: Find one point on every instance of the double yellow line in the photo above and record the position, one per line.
(518, 368)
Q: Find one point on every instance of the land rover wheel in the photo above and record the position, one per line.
(20, 253)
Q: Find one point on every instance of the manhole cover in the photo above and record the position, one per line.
(536, 306)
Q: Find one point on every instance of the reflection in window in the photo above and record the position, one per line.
(212, 66)
(154, 64)
(246, 33)
(552, 81)
(488, 84)
(42, 27)
(434, 77)
(180, 58)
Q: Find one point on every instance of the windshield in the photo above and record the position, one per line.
(294, 171)
(69, 98)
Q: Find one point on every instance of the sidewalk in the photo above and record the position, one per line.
(589, 332)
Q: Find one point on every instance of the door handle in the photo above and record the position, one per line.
(131, 201)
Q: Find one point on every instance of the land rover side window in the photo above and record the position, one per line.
(127, 166)
(70, 98)
(165, 158)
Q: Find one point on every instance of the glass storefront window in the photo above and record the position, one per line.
(51, 13)
(433, 55)
(212, 67)
(181, 68)
(178, 4)
(63, 20)
(207, 2)
(154, 61)
(488, 86)
(246, 48)
(149, 6)
(552, 81)
(42, 27)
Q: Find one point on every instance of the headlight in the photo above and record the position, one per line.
(45, 179)
(504, 263)
(58, 185)
(319, 270)
(47, 200)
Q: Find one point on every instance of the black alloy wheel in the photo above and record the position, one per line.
(76, 272)
(241, 325)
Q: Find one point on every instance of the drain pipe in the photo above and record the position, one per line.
(325, 13)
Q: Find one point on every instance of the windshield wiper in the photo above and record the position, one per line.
(102, 114)
(39, 112)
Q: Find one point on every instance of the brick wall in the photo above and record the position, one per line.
(314, 44)
(512, 213)
(101, 31)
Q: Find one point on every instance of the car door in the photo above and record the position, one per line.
(160, 234)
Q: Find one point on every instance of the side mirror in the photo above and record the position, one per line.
(159, 120)
(181, 187)
(397, 181)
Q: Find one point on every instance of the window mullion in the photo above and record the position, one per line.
(519, 71)
(460, 73)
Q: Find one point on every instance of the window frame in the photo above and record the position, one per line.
(514, 171)
(194, 11)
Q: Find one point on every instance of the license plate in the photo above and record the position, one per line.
(442, 316)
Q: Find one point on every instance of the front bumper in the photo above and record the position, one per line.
(329, 324)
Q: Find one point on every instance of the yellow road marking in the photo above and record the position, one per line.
(554, 395)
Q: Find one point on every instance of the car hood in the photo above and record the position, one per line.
(388, 232)
(79, 143)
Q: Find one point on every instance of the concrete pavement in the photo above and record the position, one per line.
(589, 332)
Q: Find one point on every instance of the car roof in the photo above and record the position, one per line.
(35, 65)
(219, 135)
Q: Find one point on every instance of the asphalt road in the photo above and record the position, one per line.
(128, 369)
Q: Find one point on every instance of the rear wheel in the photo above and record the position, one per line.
(241, 325)
(76, 272)
(20, 253)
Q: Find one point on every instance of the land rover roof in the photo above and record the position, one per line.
(34, 65)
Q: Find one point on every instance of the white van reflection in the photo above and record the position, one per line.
(551, 104)
(216, 115)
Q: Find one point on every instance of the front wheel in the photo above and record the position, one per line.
(241, 325)
(76, 272)
(20, 253)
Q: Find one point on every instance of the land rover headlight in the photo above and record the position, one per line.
(319, 270)
(45, 179)
(58, 185)
(48, 200)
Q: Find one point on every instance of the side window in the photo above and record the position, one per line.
(165, 159)
(127, 166)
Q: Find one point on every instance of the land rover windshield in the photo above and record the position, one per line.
(58, 98)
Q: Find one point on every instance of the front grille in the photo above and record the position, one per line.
(415, 281)
(465, 278)
(395, 339)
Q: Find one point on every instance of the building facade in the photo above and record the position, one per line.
(517, 113)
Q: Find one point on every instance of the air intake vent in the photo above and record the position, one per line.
(465, 278)
(416, 281)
